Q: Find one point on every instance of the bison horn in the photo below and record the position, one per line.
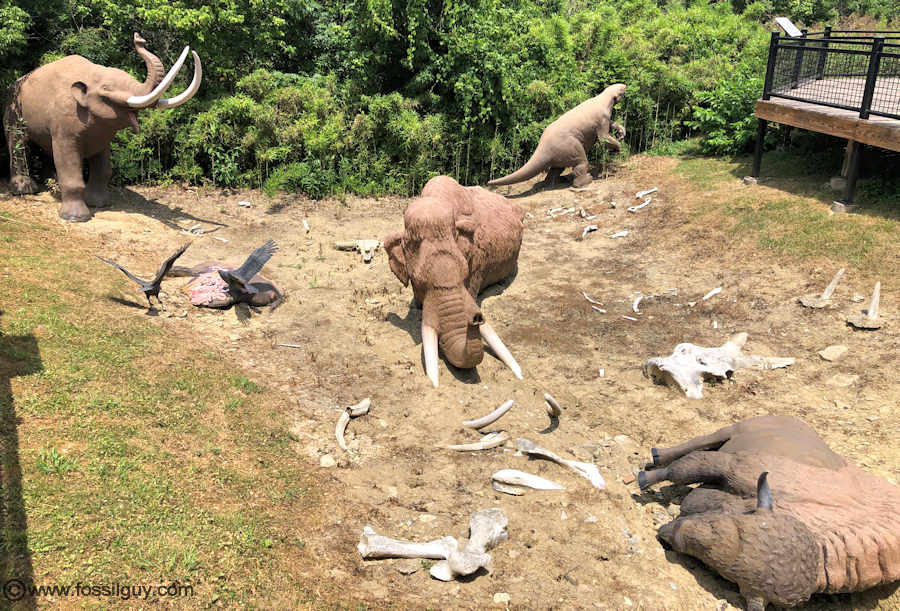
(188, 93)
(143, 101)
(493, 340)
(763, 493)
(430, 348)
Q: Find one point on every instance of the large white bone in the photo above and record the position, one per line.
(487, 529)
(493, 340)
(430, 350)
(585, 470)
(514, 477)
(869, 320)
(490, 418)
(820, 301)
(351, 412)
(188, 93)
(143, 101)
(689, 365)
(491, 440)
(372, 545)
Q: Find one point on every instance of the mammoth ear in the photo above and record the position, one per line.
(393, 246)
(465, 225)
(763, 493)
(79, 93)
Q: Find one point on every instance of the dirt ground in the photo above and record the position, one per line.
(357, 335)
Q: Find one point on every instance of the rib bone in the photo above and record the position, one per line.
(515, 477)
(491, 440)
(490, 418)
(586, 470)
(372, 545)
(553, 407)
(353, 411)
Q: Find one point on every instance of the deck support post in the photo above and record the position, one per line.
(758, 153)
(852, 174)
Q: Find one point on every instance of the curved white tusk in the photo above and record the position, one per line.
(493, 340)
(188, 93)
(490, 418)
(553, 407)
(491, 440)
(430, 348)
(872, 312)
(143, 101)
(353, 411)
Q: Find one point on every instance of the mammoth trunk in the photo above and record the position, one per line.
(155, 68)
(457, 322)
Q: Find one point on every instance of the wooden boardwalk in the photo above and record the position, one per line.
(876, 131)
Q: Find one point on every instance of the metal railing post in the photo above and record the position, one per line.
(871, 77)
(770, 66)
(820, 70)
(795, 78)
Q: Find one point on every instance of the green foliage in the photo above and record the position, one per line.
(51, 462)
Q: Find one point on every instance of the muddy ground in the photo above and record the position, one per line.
(358, 336)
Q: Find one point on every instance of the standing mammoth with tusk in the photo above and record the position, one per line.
(72, 109)
(457, 240)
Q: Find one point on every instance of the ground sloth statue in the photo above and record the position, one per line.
(826, 526)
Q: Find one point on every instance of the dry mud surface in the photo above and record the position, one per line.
(358, 336)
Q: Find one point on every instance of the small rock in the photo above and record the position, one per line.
(628, 479)
(392, 491)
(839, 207)
(408, 566)
(833, 353)
(620, 439)
(501, 598)
(628, 602)
(750, 180)
(838, 183)
(563, 516)
(843, 379)
(612, 204)
(591, 520)
(673, 586)
(327, 461)
(871, 418)
(427, 517)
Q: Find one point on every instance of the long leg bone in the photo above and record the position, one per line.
(869, 320)
(586, 470)
(372, 545)
(490, 418)
(820, 301)
(491, 440)
(514, 477)
(351, 412)
(487, 529)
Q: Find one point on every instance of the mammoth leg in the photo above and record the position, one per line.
(713, 441)
(552, 176)
(611, 143)
(99, 173)
(695, 468)
(69, 166)
(20, 183)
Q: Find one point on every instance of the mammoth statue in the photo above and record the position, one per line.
(72, 109)
(817, 524)
(457, 240)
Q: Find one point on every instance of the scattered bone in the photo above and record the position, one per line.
(612, 204)
(220, 239)
(586, 470)
(637, 302)
(587, 230)
(582, 213)
(244, 204)
(290, 345)
(372, 545)
(634, 209)
(514, 477)
(820, 301)
(487, 529)
(490, 418)
(305, 225)
(513, 490)
(601, 310)
(629, 318)
(554, 211)
(857, 298)
(619, 234)
(351, 412)
(641, 194)
(689, 365)
(552, 404)
(366, 248)
(590, 299)
(870, 319)
(712, 293)
(715, 324)
(833, 353)
(590, 218)
(491, 440)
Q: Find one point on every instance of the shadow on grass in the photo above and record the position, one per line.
(19, 356)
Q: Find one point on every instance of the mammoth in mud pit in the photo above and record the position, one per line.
(824, 526)
(457, 241)
(72, 109)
